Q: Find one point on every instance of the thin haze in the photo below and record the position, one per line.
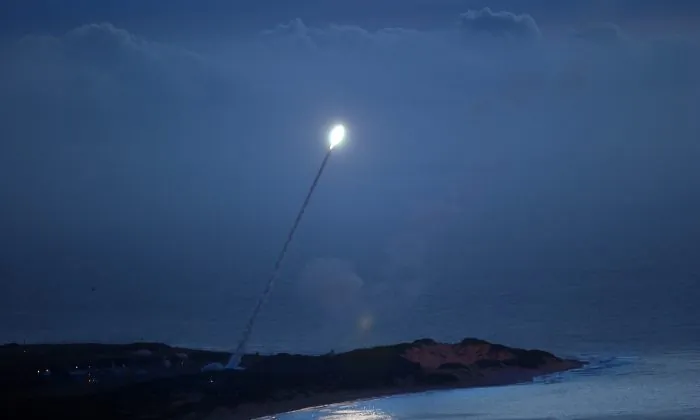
(525, 173)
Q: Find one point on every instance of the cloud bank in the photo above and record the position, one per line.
(485, 146)
(498, 24)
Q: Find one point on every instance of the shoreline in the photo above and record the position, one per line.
(265, 410)
(255, 412)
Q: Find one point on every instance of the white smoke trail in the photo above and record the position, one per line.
(248, 330)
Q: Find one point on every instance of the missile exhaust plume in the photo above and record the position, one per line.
(335, 137)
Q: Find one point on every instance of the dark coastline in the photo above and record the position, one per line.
(150, 380)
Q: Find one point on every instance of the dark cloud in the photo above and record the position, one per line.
(163, 166)
(293, 33)
(296, 33)
(100, 62)
(94, 42)
(498, 24)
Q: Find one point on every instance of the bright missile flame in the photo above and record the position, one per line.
(336, 135)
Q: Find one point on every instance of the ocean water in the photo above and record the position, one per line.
(639, 332)
(652, 386)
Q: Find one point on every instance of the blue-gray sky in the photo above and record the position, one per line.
(507, 169)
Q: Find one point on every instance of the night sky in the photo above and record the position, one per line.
(526, 173)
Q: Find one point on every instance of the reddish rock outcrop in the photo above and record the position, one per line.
(431, 355)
